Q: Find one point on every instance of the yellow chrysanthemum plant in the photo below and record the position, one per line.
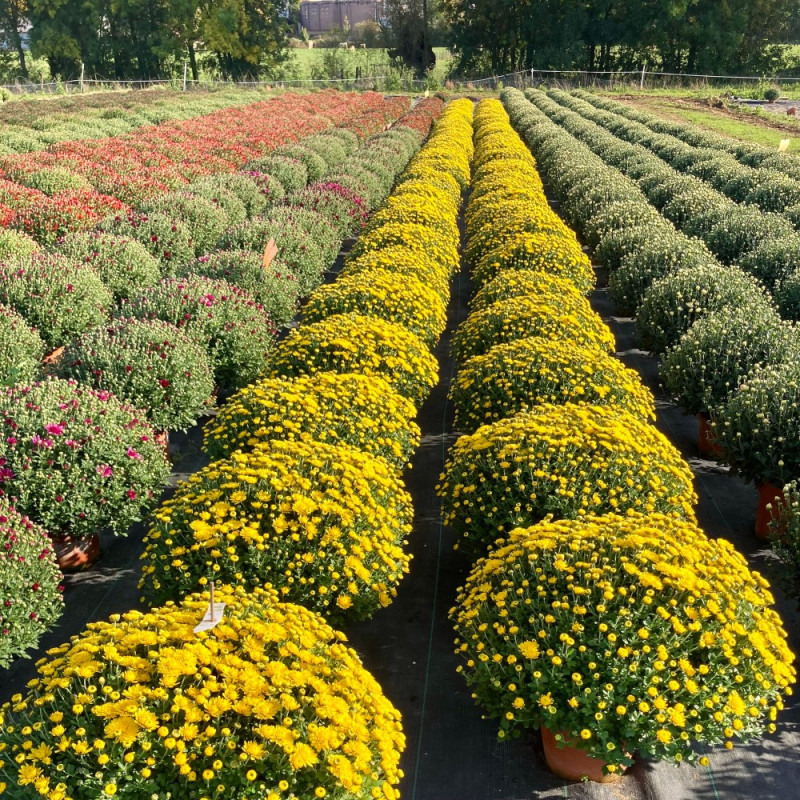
(378, 293)
(565, 318)
(270, 704)
(509, 283)
(404, 261)
(622, 634)
(527, 372)
(566, 461)
(325, 525)
(351, 409)
(357, 343)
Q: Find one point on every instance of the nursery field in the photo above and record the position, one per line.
(359, 447)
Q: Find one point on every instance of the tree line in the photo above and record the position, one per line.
(143, 39)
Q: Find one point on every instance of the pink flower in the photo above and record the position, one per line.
(54, 428)
(131, 494)
(105, 470)
(6, 474)
(133, 454)
(164, 383)
(12, 440)
(207, 300)
(38, 441)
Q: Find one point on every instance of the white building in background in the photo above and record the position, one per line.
(319, 16)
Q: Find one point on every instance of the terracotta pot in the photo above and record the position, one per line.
(53, 356)
(75, 554)
(768, 494)
(571, 762)
(706, 441)
(163, 439)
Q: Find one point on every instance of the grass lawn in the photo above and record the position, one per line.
(745, 126)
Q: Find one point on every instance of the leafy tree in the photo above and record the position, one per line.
(408, 33)
(13, 13)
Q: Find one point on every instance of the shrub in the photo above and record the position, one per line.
(256, 194)
(632, 213)
(58, 297)
(234, 330)
(233, 208)
(30, 584)
(343, 209)
(657, 259)
(329, 148)
(759, 427)
(718, 625)
(291, 173)
(76, 460)
(576, 459)
(361, 182)
(298, 253)
(151, 365)
(510, 283)
(276, 289)
(742, 229)
(787, 296)
(124, 265)
(537, 252)
(516, 376)
(402, 261)
(21, 349)
(673, 303)
(351, 409)
(323, 524)
(53, 180)
(355, 343)
(315, 165)
(204, 220)
(566, 318)
(415, 237)
(16, 244)
(786, 523)
(334, 707)
(720, 350)
(378, 293)
(165, 238)
(617, 244)
(772, 261)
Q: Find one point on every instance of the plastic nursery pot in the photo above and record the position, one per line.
(768, 495)
(706, 441)
(53, 355)
(571, 762)
(76, 554)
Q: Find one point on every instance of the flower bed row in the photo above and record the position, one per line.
(724, 214)
(726, 352)
(24, 128)
(75, 458)
(602, 614)
(270, 703)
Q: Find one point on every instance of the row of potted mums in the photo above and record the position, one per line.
(726, 354)
(597, 610)
(302, 511)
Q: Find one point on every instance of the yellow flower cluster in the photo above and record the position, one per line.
(562, 460)
(508, 221)
(527, 372)
(625, 633)
(614, 620)
(569, 317)
(356, 410)
(323, 524)
(378, 293)
(357, 343)
(271, 704)
(389, 302)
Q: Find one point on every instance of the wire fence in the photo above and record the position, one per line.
(641, 79)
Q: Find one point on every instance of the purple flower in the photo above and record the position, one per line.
(6, 474)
